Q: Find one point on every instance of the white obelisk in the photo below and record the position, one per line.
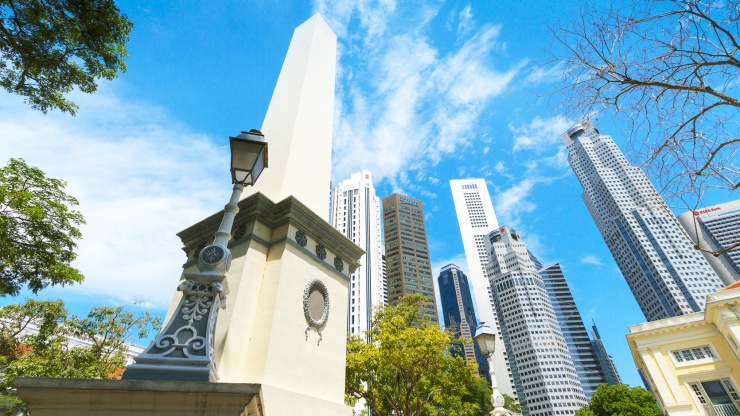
(299, 121)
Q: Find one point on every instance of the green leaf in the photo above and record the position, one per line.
(38, 230)
(50, 47)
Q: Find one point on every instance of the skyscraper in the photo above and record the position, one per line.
(717, 227)
(544, 372)
(458, 313)
(355, 212)
(571, 324)
(605, 360)
(476, 219)
(409, 270)
(666, 275)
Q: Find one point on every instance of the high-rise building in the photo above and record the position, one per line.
(409, 269)
(544, 371)
(476, 219)
(458, 313)
(666, 275)
(571, 324)
(715, 228)
(355, 212)
(605, 360)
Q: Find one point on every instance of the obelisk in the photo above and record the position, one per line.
(299, 121)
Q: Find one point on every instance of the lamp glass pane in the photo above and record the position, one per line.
(244, 154)
(240, 176)
(259, 166)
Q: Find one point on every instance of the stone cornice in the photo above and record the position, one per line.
(259, 208)
(667, 325)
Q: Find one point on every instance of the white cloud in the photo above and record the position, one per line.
(466, 22)
(540, 133)
(591, 259)
(139, 176)
(409, 102)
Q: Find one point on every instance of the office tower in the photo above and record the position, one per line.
(605, 360)
(407, 251)
(476, 219)
(458, 313)
(385, 279)
(544, 373)
(355, 212)
(571, 324)
(717, 227)
(666, 275)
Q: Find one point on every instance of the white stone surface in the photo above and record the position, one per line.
(299, 121)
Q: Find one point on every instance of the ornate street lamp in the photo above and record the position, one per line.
(486, 340)
(184, 349)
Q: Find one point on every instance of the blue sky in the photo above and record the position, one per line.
(427, 91)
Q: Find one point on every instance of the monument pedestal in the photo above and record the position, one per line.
(74, 397)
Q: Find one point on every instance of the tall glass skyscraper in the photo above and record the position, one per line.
(544, 371)
(409, 270)
(605, 360)
(576, 337)
(476, 219)
(666, 275)
(355, 212)
(459, 314)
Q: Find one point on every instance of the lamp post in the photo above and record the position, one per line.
(184, 349)
(486, 339)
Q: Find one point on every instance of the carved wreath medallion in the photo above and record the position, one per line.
(316, 306)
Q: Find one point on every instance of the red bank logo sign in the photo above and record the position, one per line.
(707, 210)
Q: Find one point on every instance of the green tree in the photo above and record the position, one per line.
(49, 47)
(47, 353)
(38, 230)
(620, 400)
(511, 404)
(407, 367)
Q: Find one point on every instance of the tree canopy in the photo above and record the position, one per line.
(406, 367)
(620, 400)
(34, 343)
(50, 47)
(38, 230)
(668, 69)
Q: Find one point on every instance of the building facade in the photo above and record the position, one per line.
(605, 360)
(409, 269)
(571, 324)
(666, 275)
(544, 371)
(355, 212)
(690, 362)
(476, 218)
(458, 314)
(714, 229)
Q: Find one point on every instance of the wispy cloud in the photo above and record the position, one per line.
(591, 259)
(466, 23)
(140, 177)
(410, 102)
(540, 134)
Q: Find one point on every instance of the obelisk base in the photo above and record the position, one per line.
(75, 397)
